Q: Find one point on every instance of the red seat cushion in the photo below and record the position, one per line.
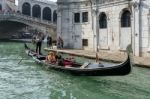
(66, 62)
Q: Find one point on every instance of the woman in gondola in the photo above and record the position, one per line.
(34, 39)
(51, 58)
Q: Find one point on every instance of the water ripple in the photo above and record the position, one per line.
(28, 80)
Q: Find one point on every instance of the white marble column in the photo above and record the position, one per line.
(136, 29)
(132, 29)
(97, 30)
(94, 26)
(59, 23)
(93, 21)
(149, 32)
(52, 12)
(132, 32)
(31, 10)
(41, 13)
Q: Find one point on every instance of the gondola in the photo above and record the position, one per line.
(87, 68)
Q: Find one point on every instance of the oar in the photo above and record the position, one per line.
(20, 61)
(22, 57)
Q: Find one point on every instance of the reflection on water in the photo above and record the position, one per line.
(28, 80)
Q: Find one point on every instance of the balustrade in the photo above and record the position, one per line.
(19, 16)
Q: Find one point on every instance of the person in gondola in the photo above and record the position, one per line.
(51, 58)
(49, 41)
(59, 58)
(97, 58)
(39, 39)
(98, 63)
(34, 39)
(60, 42)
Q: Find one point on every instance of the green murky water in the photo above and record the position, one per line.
(28, 80)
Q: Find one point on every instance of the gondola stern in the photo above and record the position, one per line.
(130, 54)
(25, 45)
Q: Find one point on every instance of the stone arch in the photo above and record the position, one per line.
(125, 18)
(125, 30)
(36, 11)
(26, 9)
(47, 13)
(102, 20)
(103, 31)
(0, 7)
(54, 16)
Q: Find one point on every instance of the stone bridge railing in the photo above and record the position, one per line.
(13, 16)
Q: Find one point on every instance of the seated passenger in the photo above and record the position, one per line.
(51, 58)
(60, 60)
(97, 59)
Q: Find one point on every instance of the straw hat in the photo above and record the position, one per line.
(50, 53)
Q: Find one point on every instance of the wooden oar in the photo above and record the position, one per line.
(22, 57)
(20, 61)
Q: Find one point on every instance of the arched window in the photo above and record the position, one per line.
(54, 16)
(36, 11)
(47, 13)
(0, 7)
(26, 9)
(126, 19)
(103, 20)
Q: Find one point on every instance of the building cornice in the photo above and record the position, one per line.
(87, 4)
(65, 2)
(72, 3)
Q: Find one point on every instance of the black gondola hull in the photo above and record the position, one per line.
(118, 70)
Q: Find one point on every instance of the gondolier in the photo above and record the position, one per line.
(49, 41)
(39, 39)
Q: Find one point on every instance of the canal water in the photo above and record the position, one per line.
(28, 80)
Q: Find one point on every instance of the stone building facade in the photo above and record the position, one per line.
(105, 25)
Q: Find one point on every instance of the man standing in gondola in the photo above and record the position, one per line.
(60, 43)
(39, 39)
(49, 41)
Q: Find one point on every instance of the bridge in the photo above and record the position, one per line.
(28, 20)
(33, 13)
